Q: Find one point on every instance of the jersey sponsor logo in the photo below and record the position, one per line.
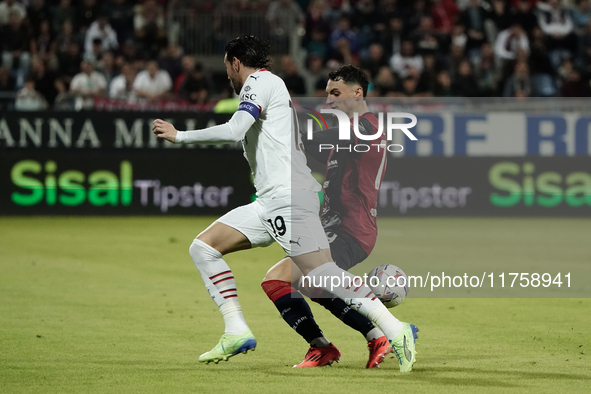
(248, 96)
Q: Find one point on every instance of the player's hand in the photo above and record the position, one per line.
(164, 130)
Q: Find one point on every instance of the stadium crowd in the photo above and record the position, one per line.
(66, 53)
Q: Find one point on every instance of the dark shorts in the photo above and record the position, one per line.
(344, 248)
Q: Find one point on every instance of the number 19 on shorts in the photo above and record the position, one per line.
(278, 226)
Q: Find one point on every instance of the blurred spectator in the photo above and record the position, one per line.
(465, 84)
(458, 35)
(15, 40)
(101, 29)
(314, 74)
(453, 60)
(284, 17)
(343, 54)
(7, 7)
(120, 14)
(43, 46)
(344, 31)
(408, 88)
(584, 58)
(384, 83)
(428, 78)
(7, 87)
(197, 87)
(150, 28)
(425, 38)
(87, 13)
(412, 16)
(368, 21)
(170, 61)
(444, 14)
(581, 13)
(28, 99)
(443, 87)
(87, 85)
(557, 25)
(392, 41)
(574, 86)
(487, 72)
(46, 81)
(38, 12)
(500, 15)
(389, 8)
(317, 44)
(61, 13)
(152, 83)
(316, 22)
(107, 67)
(524, 14)
(520, 83)
(510, 40)
(402, 62)
(70, 63)
(66, 37)
(96, 53)
(539, 56)
(376, 59)
(293, 80)
(187, 66)
(473, 18)
(122, 85)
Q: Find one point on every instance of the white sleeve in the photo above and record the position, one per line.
(232, 131)
(500, 48)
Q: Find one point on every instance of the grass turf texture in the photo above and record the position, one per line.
(116, 305)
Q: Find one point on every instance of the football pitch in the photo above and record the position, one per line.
(105, 305)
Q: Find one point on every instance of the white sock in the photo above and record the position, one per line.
(233, 319)
(360, 298)
(374, 333)
(220, 283)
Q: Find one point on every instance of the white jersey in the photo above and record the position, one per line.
(272, 144)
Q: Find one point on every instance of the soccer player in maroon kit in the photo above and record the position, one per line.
(351, 187)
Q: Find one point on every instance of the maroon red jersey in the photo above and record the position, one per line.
(354, 173)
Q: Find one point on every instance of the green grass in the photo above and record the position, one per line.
(91, 305)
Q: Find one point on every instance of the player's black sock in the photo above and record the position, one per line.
(296, 312)
(349, 316)
(293, 308)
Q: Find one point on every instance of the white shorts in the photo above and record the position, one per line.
(296, 227)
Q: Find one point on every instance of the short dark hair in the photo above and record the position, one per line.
(251, 51)
(351, 74)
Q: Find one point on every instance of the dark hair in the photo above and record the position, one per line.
(351, 74)
(251, 51)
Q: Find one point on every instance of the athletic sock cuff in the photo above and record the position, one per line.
(206, 249)
(276, 289)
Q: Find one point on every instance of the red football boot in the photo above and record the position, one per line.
(379, 348)
(320, 356)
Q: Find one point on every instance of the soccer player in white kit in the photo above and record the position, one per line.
(286, 209)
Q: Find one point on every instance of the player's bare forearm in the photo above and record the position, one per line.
(164, 130)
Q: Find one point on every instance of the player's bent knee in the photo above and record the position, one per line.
(201, 252)
(280, 271)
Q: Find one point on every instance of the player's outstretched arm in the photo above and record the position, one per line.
(232, 131)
